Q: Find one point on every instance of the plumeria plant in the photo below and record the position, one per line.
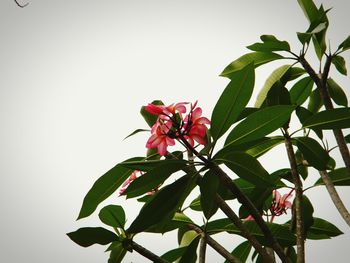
(164, 179)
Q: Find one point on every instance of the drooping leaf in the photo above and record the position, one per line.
(106, 185)
(313, 152)
(154, 177)
(315, 101)
(336, 92)
(150, 118)
(117, 254)
(274, 78)
(301, 91)
(259, 124)
(242, 251)
(157, 209)
(174, 254)
(135, 132)
(248, 168)
(329, 119)
(113, 215)
(339, 177)
(322, 229)
(232, 101)
(270, 43)
(345, 45)
(258, 58)
(88, 236)
(208, 187)
(340, 64)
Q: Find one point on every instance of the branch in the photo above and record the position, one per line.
(299, 228)
(215, 245)
(335, 197)
(202, 249)
(21, 6)
(146, 253)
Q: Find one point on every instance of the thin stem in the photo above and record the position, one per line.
(299, 228)
(215, 245)
(244, 230)
(335, 197)
(146, 253)
(202, 248)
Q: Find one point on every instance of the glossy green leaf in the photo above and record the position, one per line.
(232, 101)
(259, 124)
(154, 177)
(263, 147)
(339, 177)
(274, 78)
(277, 95)
(196, 204)
(329, 119)
(179, 220)
(88, 236)
(281, 232)
(336, 92)
(157, 209)
(208, 187)
(136, 132)
(174, 254)
(322, 229)
(106, 185)
(340, 64)
(190, 254)
(257, 58)
(307, 213)
(301, 91)
(319, 38)
(117, 254)
(304, 38)
(270, 43)
(113, 215)
(242, 251)
(150, 118)
(309, 8)
(315, 101)
(313, 152)
(345, 45)
(248, 168)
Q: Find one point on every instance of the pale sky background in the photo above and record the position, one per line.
(74, 75)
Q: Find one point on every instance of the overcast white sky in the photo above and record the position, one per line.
(74, 75)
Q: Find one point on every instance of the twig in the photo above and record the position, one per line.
(146, 253)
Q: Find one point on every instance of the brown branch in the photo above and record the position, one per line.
(335, 197)
(299, 227)
(21, 6)
(202, 249)
(215, 245)
(146, 253)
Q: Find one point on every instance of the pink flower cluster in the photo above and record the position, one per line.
(280, 204)
(173, 123)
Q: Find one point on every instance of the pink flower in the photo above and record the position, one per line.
(249, 218)
(280, 204)
(128, 181)
(166, 110)
(159, 138)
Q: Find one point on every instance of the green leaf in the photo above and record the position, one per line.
(179, 220)
(345, 45)
(190, 254)
(248, 168)
(106, 185)
(347, 138)
(88, 236)
(329, 119)
(258, 58)
(315, 101)
(322, 229)
(232, 101)
(196, 204)
(263, 147)
(174, 254)
(301, 91)
(157, 209)
(277, 95)
(135, 132)
(319, 29)
(336, 92)
(339, 177)
(304, 37)
(274, 78)
(242, 251)
(259, 124)
(209, 186)
(117, 253)
(282, 233)
(309, 8)
(307, 213)
(313, 152)
(113, 215)
(150, 118)
(270, 43)
(154, 177)
(148, 165)
(340, 64)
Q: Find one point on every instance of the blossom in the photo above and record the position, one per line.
(159, 138)
(128, 181)
(166, 110)
(280, 204)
